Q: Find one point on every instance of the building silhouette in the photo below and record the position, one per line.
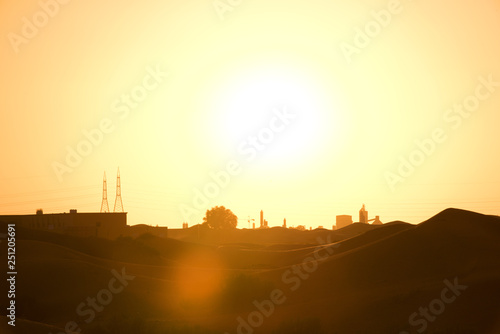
(376, 221)
(109, 225)
(102, 224)
(363, 215)
(343, 221)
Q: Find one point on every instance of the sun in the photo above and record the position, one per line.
(278, 113)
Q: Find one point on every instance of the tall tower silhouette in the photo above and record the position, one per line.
(363, 215)
(104, 204)
(118, 200)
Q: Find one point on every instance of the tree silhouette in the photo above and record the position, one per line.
(220, 218)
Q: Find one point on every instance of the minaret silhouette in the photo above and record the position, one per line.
(104, 204)
(118, 201)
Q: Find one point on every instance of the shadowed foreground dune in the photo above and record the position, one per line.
(441, 276)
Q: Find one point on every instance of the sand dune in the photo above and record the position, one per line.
(385, 281)
(369, 280)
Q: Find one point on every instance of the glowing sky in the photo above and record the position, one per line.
(337, 93)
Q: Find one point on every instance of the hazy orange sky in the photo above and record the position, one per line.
(313, 106)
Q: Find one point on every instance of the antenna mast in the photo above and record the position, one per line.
(118, 201)
(104, 204)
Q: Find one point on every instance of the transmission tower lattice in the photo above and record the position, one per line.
(104, 204)
(118, 201)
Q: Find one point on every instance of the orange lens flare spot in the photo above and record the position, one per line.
(199, 277)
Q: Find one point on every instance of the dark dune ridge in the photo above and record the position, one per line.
(372, 279)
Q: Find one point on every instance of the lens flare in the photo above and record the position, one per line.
(199, 278)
